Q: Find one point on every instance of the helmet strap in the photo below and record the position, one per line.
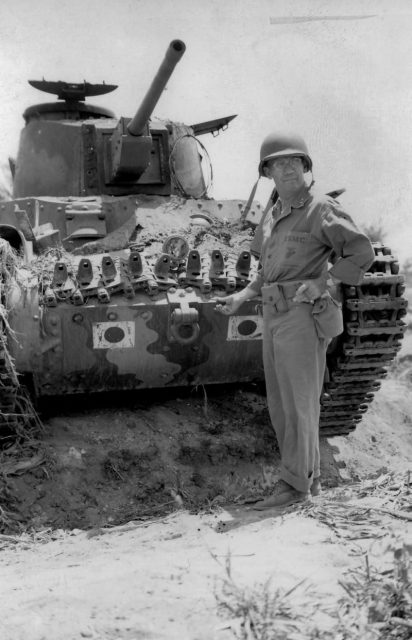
(312, 180)
(274, 196)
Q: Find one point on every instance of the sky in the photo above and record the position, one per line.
(339, 72)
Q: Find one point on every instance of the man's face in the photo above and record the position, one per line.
(287, 172)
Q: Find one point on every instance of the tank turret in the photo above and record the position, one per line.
(70, 148)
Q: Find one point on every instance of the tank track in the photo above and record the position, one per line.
(359, 358)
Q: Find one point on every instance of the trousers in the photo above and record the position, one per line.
(294, 360)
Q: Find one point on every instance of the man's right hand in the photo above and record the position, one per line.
(228, 304)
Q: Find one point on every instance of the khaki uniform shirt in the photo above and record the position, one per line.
(296, 242)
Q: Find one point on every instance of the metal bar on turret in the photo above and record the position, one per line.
(211, 126)
(174, 52)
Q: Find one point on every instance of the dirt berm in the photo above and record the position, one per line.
(112, 458)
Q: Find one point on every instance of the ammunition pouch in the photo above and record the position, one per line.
(327, 315)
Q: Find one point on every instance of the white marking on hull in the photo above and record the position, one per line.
(245, 328)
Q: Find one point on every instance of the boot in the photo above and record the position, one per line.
(284, 495)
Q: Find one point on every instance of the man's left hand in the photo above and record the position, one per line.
(308, 291)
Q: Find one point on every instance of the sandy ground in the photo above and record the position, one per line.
(162, 578)
(159, 580)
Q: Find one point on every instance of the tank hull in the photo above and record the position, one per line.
(133, 344)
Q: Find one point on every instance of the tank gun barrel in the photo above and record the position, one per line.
(174, 52)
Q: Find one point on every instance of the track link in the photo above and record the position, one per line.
(372, 336)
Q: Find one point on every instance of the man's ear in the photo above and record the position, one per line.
(265, 171)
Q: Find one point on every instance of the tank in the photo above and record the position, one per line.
(113, 253)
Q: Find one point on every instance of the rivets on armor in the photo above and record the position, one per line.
(35, 318)
(112, 316)
(54, 320)
(78, 317)
(145, 315)
(172, 290)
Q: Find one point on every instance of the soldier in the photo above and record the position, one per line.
(300, 231)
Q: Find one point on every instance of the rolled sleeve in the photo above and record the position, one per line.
(352, 247)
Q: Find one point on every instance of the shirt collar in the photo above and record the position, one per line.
(282, 208)
(299, 200)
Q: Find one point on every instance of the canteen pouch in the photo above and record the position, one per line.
(327, 315)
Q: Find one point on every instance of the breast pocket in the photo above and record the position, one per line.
(294, 248)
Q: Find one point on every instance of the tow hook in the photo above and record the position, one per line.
(184, 319)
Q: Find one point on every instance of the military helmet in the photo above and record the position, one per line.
(283, 144)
